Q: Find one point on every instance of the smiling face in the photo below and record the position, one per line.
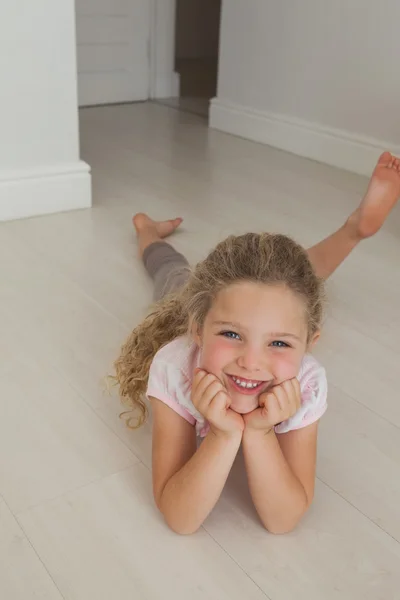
(254, 337)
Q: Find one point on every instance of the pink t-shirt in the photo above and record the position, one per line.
(171, 376)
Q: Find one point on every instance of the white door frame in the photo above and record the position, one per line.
(164, 81)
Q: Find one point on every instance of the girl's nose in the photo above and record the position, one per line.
(251, 360)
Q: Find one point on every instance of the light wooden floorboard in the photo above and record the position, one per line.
(76, 515)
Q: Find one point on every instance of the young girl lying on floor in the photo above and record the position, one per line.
(225, 355)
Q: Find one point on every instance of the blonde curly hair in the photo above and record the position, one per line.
(273, 259)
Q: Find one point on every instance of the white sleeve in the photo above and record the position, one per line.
(165, 384)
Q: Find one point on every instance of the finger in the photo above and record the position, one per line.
(219, 403)
(201, 381)
(206, 394)
(198, 375)
(209, 394)
(293, 404)
(297, 393)
(262, 399)
(272, 409)
(292, 388)
(281, 394)
(285, 396)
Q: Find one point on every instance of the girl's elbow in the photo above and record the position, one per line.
(280, 529)
(177, 526)
(182, 529)
(175, 523)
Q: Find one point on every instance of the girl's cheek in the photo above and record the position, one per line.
(216, 355)
(287, 367)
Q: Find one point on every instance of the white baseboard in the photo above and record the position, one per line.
(323, 144)
(40, 191)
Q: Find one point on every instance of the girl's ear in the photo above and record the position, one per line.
(196, 333)
(314, 339)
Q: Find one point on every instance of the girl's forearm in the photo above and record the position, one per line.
(279, 497)
(191, 494)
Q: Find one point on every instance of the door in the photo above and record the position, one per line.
(113, 50)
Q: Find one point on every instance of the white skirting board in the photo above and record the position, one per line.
(44, 190)
(323, 144)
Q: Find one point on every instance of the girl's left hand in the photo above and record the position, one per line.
(277, 405)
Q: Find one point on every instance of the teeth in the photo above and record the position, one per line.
(245, 384)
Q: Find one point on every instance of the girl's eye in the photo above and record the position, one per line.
(280, 344)
(231, 335)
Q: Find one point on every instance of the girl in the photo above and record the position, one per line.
(225, 355)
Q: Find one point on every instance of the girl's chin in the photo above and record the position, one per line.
(243, 408)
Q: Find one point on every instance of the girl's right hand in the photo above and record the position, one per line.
(212, 401)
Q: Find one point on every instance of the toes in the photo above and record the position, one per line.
(385, 159)
(389, 161)
(174, 223)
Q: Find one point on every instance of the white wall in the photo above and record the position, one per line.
(40, 170)
(315, 77)
(197, 28)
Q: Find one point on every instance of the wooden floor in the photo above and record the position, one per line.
(77, 519)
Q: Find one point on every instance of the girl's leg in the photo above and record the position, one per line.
(168, 268)
(328, 254)
(381, 196)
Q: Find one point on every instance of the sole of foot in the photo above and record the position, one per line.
(381, 196)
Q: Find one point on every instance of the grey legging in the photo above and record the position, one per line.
(168, 268)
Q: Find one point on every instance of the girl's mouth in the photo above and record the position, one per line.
(249, 387)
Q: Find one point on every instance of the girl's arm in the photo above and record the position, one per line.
(281, 474)
(188, 482)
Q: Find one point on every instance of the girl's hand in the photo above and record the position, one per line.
(212, 401)
(276, 405)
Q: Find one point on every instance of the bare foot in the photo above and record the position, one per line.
(149, 231)
(382, 194)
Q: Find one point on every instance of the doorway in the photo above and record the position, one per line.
(175, 45)
(112, 40)
(197, 30)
